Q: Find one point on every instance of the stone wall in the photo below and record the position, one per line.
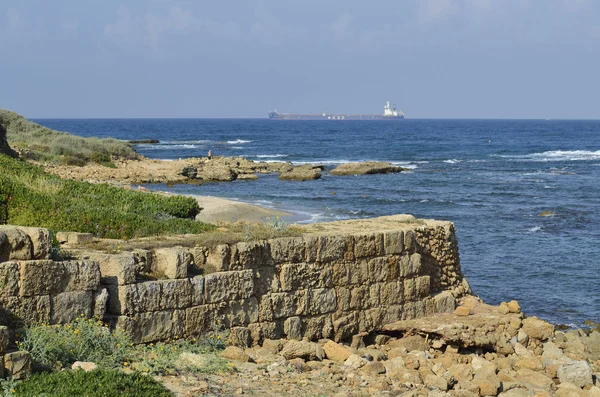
(337, 280)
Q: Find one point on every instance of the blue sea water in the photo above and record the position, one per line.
(492, 178)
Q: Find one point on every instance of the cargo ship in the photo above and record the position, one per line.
(388, 114)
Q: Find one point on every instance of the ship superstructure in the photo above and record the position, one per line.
(389, 113)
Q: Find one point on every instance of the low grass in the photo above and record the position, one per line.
(39, 143)
(98, 383)
(31, 197)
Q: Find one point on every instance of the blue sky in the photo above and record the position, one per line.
(195, 58)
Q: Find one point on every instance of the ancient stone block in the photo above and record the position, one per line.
(250, 255)
(199, 319)
(40, 240)
(100, 302)
(9, 279)
(239, 313)
(41, 277)
(266, 280)
(371, 319)
(240, 336)
(311, 244)
(74, 238)
(151, 327)
(345, 324)
(368, 245)
(359, 297)
(265, 330)
(143, 261)
(175, 294)
(288, 304)
(287, 250)
(331, 248)
(228, 286)
(292, 327)
(16, 244)
(4, 339)
(17, 312)
(318, 327)
(80, 276)
(383, 269)
(67, 306)
(17, 365)
(321, 301)
(197, 297)
(172, 262)
(199, 255)
(410, 241)
(374, 293)
(391, 293)
(343, 298)
(219, 258)
(305, 275)
(393, 242)
(265, 308)
(115, 268)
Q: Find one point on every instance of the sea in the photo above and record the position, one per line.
(524, 195)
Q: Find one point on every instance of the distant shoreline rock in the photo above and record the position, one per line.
(143, 141)
(366, 167)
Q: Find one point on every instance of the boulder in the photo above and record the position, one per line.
(17, 365)
(87, 366)
(302, 349)
(172, 262)
(367, 167)
(578, 373)
(336, 352)
(513, 306)
(16, 245)
(235, 353)
(373, 368)
(410, 343)
(216, 172)
(537, 329)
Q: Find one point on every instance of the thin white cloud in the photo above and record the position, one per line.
(437, 9)
(341, 26)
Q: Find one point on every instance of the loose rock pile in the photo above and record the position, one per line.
(480, 350)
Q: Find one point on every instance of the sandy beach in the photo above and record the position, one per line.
(216, 209)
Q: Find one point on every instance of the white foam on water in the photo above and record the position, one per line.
(534, 229)
(558, 155)
(238, 141)
(452, 161)
(260, 156)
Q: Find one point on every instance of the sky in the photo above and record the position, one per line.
(243, 58)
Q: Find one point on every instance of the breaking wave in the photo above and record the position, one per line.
(237, 141)
(559, 155)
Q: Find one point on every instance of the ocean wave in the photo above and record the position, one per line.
(261, 156)
(237, 141)
(558, 155)
(534, 229)
(452, 161)
(167, 147)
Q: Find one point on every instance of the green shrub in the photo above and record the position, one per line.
(59, 346)
(43, 144)
(43, 200)
(98, 383)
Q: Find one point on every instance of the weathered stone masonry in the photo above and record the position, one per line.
(337, 280)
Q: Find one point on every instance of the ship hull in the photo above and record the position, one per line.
(334, 117)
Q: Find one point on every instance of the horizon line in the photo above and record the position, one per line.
(267, 118)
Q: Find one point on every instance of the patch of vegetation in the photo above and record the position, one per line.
(35, 198)
(39, 143)
(59, 346)
(97, 383)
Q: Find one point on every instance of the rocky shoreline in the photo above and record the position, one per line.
(479, 350)
(199, 170)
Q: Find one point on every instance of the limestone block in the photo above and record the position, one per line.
(373, 297)
(391, 293)
(292, 327)
(537, 329)
(197, 297)
(359, 297)
(9, 279)
(302, 349)
(305, 275)
(219, 258)
(345, 324)
(318, 327)
(393, 242)
(41, 277)
(199, 255)
(383, 269)
(175, 294)
(371, 319)
(265, 308)
(336, 352)
(41, 241)
(67, 306)
(134, 298)
(288, 304)
(343, 298)
(287, 250)
(266, 280)
(17, 365)
(199, 319)
(152, 327)
(368, 245)
(537, 379)
(311, 244)
(228, 286)
(4, 339)
(172, 262)
(80, 276)
(250, 255)
(410, 241)
(347, 273)
(21, 311)
(240, 336)
(100, 302)
(74, 238)
(331, 248)
(117, 269)
(416, 288)
(265, 331)
(578, 373)
(16, 245)
(239, 313)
